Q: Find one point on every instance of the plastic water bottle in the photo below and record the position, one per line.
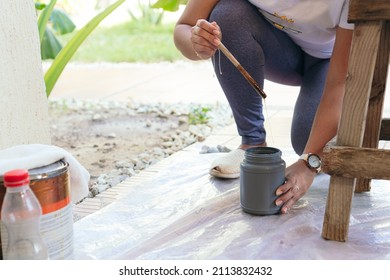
(21, 214)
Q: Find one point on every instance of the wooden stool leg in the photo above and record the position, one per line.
(375, 107)
(364, 51)
(338, 208)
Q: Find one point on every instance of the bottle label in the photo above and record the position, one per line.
(57, 232)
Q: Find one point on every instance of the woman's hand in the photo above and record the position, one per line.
(298, 180)
(205, 38)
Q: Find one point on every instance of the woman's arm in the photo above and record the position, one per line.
(298, 176)
(194, 36)
(328, 113)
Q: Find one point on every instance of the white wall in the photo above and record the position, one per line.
(23, 102)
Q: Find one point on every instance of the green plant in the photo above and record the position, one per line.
(52, 22)
(149, 15)
(169, 5)
(66, 53)
(199, 115)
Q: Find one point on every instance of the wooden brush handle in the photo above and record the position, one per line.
(242, 70)
(228, 54)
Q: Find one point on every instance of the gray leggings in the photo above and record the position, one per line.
(266, 53)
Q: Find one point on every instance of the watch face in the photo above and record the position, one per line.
(314, 161)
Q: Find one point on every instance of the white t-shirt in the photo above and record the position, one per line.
(310, 23)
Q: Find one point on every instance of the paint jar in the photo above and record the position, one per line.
(51, 186)
(261, 172)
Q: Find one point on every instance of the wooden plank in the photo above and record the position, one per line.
(355, 162)
(369, 10)
(362, 63)
(338, 209)
(351, 128)
(377, 95)
(378, 86)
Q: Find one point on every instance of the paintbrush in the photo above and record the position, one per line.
(242, 70)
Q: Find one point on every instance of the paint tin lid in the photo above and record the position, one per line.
(45, 172)
(48, 171)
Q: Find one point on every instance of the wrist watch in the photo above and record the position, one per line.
(313, 161)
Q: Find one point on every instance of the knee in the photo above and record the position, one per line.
(229, 14)
(221, 15)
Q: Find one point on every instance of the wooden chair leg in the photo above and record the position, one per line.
(364, 52)
(375, 107)
(338, 208)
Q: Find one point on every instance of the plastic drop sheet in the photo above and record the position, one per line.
(183, 213)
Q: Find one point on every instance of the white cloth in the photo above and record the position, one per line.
(32, 156)
(311, 24)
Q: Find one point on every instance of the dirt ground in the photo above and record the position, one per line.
(98, 138)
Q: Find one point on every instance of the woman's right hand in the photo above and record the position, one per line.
(205, 38)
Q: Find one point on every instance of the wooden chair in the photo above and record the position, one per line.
(355, 158)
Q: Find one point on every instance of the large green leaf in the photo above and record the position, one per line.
(44, 18)
(50, 46)
(62, 24)
(169, 5)
(59, 63)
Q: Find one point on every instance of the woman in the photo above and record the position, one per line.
(303, 43)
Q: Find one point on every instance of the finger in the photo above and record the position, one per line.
(288, 184)
(290, 191)
(202, 44)
(294, 195)
(203, 52)
(217, 30)
(207, 26)
(204, 31)
(282, 199)
(287, 206)
(203, 48)
(201, 37)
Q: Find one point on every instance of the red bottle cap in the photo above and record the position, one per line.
(16, 178)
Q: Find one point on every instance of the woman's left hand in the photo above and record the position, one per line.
(298, 180)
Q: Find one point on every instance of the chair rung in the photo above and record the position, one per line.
(368, 163)
(361, 10)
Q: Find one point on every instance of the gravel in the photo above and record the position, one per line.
(206, 118)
